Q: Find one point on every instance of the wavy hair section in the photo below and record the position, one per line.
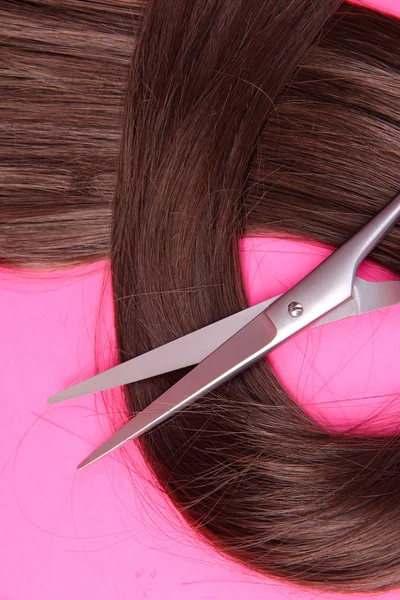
(63, 71)
(257, 116)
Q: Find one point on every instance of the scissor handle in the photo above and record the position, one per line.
(357, 248)
(332, 282)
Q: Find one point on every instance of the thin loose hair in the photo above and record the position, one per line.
(251, 117)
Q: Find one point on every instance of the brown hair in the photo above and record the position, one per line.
(255, 116)
(241, 116)
(63, 68)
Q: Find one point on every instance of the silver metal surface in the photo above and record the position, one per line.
(237, 353)
(332, 283)
(295, 309)
(190, 349)
(328, 287)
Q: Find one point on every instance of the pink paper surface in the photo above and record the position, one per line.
(107, 533)
(391, 7)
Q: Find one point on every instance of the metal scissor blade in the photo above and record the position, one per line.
(185, 351)
(194, 347)
(324, 290)
(246, 346)
(241, 350)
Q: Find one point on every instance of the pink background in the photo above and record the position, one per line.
(107, 533)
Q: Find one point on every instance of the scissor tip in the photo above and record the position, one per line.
(53, 399)
(89, 460)
(85, 463)
(60, 396)
(82, 465)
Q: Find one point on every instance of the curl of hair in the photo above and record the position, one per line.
(251, 117)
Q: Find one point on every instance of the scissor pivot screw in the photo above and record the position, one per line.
(295, 309)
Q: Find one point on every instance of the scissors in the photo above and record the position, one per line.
(329, 293)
